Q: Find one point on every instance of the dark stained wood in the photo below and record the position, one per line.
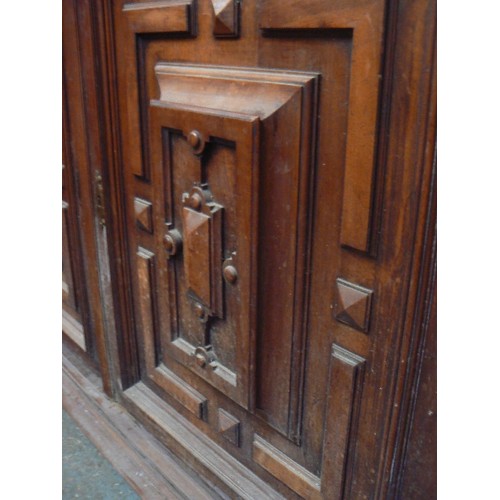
(144, 214)
(266, 174)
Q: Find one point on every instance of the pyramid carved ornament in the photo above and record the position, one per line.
(229, 427)
(353, 305)
(143, 214)
(226, 18)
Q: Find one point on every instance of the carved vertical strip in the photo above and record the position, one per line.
(145, 263)
(171, 223)
(346, 372)
(359, 174)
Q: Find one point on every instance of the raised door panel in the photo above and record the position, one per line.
(212, 173)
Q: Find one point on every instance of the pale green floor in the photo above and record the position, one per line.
(85, 472)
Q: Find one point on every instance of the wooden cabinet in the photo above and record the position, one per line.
(260, 238)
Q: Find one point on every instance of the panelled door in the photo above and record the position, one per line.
(77, 320)
(249, 133)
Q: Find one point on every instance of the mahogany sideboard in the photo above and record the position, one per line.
(249, 216)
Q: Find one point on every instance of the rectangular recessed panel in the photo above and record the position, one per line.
(215, 226)
(180, 391)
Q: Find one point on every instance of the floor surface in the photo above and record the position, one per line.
(86, 473)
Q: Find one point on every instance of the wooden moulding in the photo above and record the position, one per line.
(254, 91)
(285, 469)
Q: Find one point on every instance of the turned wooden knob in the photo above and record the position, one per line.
(172, 242)
(196, 141)
(195, 201)
(230, 274)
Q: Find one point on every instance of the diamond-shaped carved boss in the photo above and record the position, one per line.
(353, 305)
(226, 18)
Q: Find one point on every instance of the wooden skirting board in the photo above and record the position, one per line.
(140, 458)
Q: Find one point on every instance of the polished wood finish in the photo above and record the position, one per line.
(266, 177)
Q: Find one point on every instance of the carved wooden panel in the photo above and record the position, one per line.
(250, 174)
(73, 292)
(205, 153)
(202, 223)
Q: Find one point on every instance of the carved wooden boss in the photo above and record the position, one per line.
(249, 158)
